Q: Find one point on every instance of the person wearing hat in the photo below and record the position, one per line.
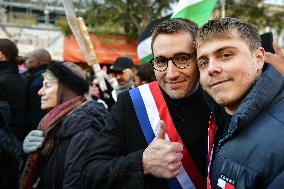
(65, 133)
(122, 69)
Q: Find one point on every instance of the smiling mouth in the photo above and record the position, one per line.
(215, 83)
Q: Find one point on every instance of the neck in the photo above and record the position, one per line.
(231, 109)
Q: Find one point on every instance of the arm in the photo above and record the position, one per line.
(120, 156)
(111, 163)
(277, 59)
(75, 155)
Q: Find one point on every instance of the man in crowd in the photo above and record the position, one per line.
(122, 69)
(125, 155)
(249, 144)
(36, 64)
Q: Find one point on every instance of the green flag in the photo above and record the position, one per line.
(198, 11)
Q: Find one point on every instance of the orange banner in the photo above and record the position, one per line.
(107, 48)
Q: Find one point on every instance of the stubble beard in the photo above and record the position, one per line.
(233, 102)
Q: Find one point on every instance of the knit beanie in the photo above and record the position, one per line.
(70, 75)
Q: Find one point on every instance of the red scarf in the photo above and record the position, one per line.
(49, 121)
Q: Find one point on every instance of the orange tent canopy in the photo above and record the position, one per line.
(107, 48)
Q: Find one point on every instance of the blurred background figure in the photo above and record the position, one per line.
(143, 74)
(12, 86)
(66, 131)
(96, 93)
(11, 153)
(12, 110)
(36, 63)
(122, 69)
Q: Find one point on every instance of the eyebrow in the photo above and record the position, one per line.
(179, 52)
(217, 51)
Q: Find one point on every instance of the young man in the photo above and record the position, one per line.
(249, 145)
(132, 151)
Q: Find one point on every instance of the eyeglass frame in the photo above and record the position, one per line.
(191, 55)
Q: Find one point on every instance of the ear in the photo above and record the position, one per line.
(36, 62)
(259, 57)
(2, 56)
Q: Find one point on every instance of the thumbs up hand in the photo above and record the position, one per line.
(162, 158)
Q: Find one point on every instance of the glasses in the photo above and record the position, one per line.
(180, 60)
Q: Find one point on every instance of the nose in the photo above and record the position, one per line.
(214, 67)
(118, 76)
(40, 92)
(172, 70)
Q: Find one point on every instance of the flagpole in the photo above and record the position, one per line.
(223, 8)
(82, 37)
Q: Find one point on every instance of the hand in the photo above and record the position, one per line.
(33, 141)
(162, 158)
(277, 59)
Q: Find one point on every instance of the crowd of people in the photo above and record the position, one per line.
(206, 112)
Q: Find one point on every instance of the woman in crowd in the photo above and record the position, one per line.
(64, 135)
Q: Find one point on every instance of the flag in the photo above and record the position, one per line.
(198, 11)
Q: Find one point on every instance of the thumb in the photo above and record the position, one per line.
(162, 131)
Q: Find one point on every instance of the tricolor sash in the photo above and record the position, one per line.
(211, 137)
(150, 108)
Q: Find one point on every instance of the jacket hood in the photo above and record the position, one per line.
(266, 90)
(91, 114)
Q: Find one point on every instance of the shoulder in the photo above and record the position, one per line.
(277, 107)
(90, 115)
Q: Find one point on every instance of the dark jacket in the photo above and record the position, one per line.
(34, 112)
(11, 154)
(116, 158)
(73, 139)
(13, 91)
(251, 153)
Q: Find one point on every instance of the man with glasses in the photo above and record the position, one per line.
(137, 150)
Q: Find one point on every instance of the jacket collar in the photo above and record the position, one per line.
(8, 67)
(262, 94)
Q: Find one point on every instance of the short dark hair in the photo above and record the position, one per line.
(145, 72)
(174, 25)
(9, 49)
(223, 28)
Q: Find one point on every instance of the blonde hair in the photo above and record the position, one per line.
(49, 76)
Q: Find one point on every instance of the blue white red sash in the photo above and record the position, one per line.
(150, 108)
(211, 137)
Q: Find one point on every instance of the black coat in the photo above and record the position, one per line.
(251, 153)
(116, 159)
(73, 139)
(34, 112)
(13, 91)
(11, 153)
